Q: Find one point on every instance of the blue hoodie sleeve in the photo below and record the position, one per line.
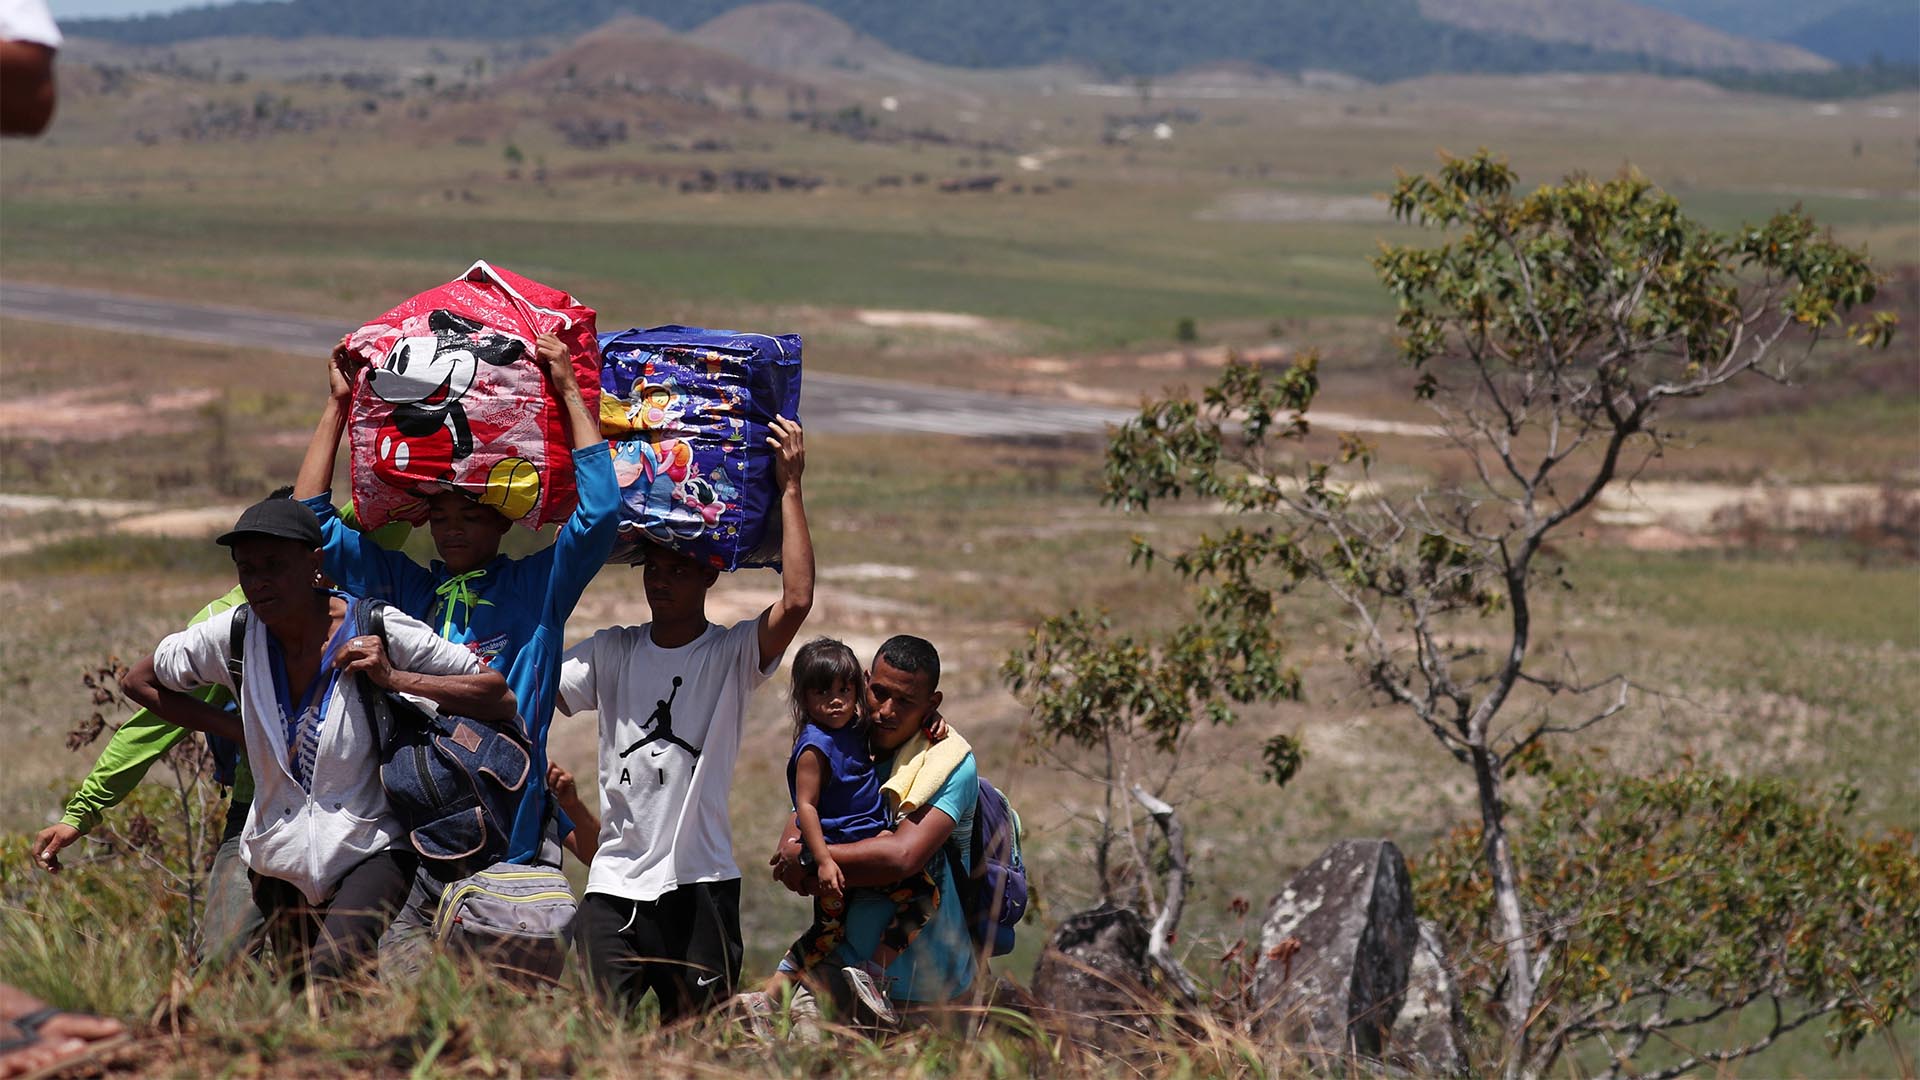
(364, 568)
(585, 541)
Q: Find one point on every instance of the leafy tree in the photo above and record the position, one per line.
(1678, 900)
(1136, 702)
(1550, 332)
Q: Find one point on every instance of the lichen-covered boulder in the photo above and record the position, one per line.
(1429, 1036)
(1336, 947)
(1094, 978)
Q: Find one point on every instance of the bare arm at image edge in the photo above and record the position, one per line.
(26, 87)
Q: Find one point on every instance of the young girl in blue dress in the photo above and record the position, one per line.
(837, 800)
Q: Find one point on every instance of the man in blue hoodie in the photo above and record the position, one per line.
(511, 612)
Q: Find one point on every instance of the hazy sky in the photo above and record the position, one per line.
(84, 9)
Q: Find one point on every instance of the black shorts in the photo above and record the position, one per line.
(684, 946)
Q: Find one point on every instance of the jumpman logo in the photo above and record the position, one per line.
(662, 724)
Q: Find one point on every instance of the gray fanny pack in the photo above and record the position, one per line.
(512, 917)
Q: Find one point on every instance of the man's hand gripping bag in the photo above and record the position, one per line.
(451, 399)
(687, 410)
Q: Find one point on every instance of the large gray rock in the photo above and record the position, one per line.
(1093, 979)
(1429, 1036)
(1351, 910)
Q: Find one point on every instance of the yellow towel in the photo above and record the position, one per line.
(923, 767)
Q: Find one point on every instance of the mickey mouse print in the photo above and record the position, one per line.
(452, 400)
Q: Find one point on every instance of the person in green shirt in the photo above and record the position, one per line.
(231, 919)
(143, 739)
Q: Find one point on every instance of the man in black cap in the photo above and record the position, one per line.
(230, 922)
(329, 867)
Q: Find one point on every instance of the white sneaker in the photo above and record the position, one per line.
(869, 994)
(755, 1010)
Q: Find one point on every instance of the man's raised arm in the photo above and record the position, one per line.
(587, 537)
(551, 356)
(316, 469)
(781, 622)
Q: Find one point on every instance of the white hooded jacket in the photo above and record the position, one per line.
(309, 839)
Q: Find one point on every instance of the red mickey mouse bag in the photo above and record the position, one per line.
(451, 399)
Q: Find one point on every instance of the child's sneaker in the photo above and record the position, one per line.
(755, 1011)
(870, 993)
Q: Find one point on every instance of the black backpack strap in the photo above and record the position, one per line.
(966, 879)
(965, 889)
(369, 618)
(980, 845)
(237, 647)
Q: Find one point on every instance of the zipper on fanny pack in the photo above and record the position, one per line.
(475, 890)
(517, 875)
(455, 890)
(448, 902)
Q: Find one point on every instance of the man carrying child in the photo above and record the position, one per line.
(937, 791)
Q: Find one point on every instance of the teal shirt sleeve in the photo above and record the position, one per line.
(957, 799)
(136, 745)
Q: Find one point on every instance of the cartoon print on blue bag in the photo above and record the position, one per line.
(687, 411)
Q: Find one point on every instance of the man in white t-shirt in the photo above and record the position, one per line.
(662, 905)
(28, 40)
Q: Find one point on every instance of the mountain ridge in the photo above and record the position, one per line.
(1627, 27)
(1770, 20)
(1382, 40)
(1871, 31)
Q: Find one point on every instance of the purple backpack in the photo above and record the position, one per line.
(994, 895)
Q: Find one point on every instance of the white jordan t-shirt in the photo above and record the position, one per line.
(670, 722)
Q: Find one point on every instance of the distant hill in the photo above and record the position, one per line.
(1849, 32)
(1769, 19)
(641, 53)
(1375, 39)
(1624, 27)
(1886, 30)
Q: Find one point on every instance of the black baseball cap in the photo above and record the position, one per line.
(285, 519)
